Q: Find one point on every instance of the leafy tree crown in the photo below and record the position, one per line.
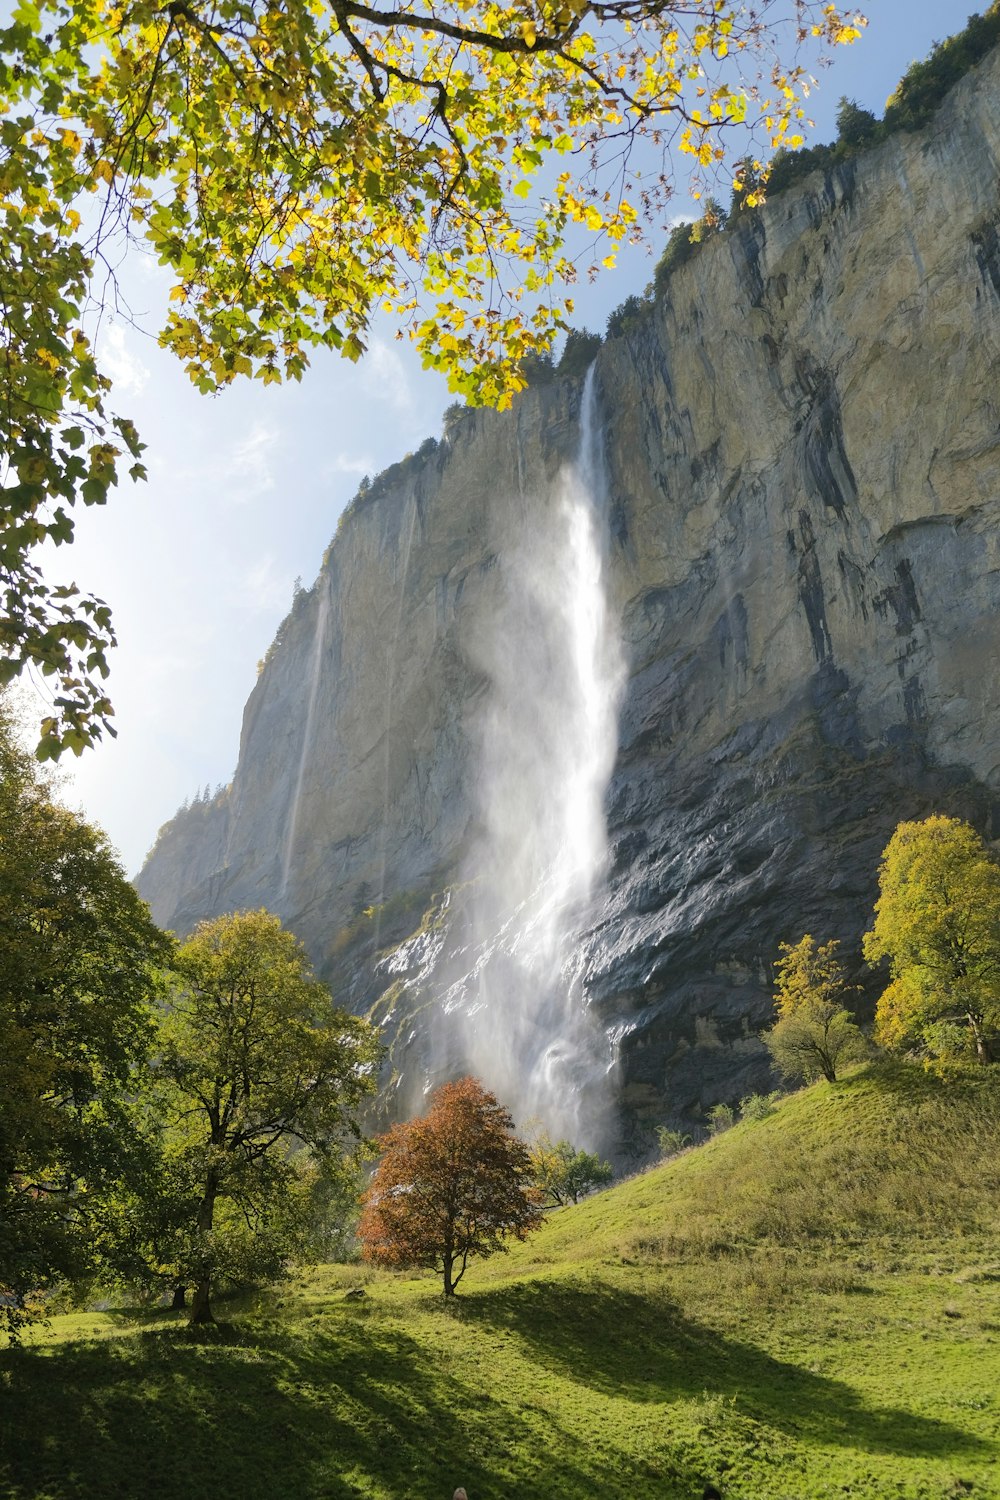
(453, 1184)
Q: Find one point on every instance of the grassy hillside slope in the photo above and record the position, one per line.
(807, 1306)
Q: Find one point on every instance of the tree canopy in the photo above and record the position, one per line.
(453, 1184)
(302, 167)
(814, 1033)
(78, 969)
(564, 1174)
(937, 921)
(255, 1060)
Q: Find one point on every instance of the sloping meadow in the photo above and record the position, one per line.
(807, 1306)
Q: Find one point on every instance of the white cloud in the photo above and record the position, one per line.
(233, 476)
(345, 463)
(384, 376)
(249, 469)
(264, 589)
(119, 361)
(147, 265)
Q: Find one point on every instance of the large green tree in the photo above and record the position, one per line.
(259, 1077)
(937, 922)
(78, 968)
(302, 166)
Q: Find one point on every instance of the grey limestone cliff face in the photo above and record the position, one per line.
(803, 449)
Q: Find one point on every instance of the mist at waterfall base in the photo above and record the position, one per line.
(549, 647)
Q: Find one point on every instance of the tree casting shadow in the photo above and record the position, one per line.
(644, 1348)
(351, 1409)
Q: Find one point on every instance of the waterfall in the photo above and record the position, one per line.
(547, 739)
(319, 637)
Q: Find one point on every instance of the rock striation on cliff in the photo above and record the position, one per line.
(802, 444)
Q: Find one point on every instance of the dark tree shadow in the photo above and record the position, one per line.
(350, 1406)
(644, 1348)
(352, 1409)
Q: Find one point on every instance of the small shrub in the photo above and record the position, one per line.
(918, 94)
(789, 167)
(454, 416)
(749, 187)
(537, 369)
(709, 1411)
(814, 1034)
(648, 1247)
(856, 127)
(679, 249)
(564, 1174)
(949, 1047)
(671, 1142)
(721, 1117)
(925, 84)
(758, 1106)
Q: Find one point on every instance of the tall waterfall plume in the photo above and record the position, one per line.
(547, 739)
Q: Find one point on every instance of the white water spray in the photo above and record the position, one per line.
(547, 743)
(319, 639)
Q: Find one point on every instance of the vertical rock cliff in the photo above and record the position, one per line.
(802, 443)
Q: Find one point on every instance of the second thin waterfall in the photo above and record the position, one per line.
(547, 739)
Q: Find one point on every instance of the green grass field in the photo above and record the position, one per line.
(807, 1306)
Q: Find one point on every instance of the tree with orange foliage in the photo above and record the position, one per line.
(452, 1184)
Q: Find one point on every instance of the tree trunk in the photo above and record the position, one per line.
(201, 1307)
(449, 1288)
(179, 1298)
(982, 1046)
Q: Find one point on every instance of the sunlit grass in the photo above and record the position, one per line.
(805, 1307)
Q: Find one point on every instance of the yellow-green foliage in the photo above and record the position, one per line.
(807, 974)
(814, 1035)
(937, 921)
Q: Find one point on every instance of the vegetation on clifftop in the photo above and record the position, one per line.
(912, 104)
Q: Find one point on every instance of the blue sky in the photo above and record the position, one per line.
(245, 489)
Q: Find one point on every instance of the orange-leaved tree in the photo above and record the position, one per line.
(452, 1184)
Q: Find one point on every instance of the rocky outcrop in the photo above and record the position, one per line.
(803, 445)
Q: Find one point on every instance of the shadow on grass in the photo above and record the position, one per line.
(643, 1348)
(904, 1082)
(353, 1408)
